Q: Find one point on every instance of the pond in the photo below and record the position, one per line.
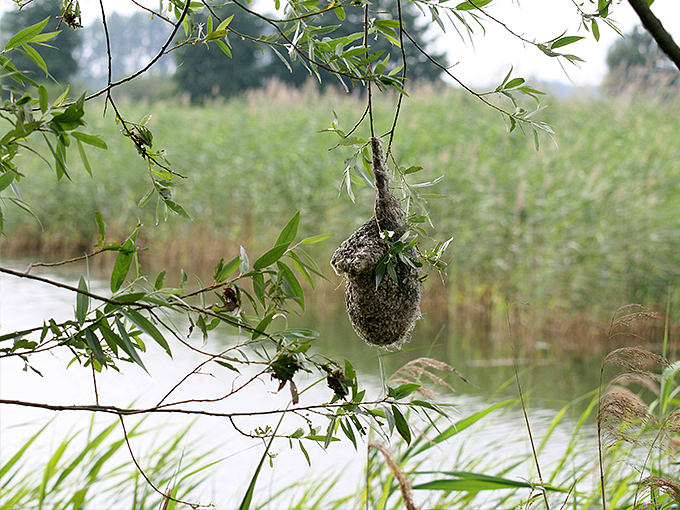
(548, 383)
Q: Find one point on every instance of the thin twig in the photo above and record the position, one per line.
(368, 69)
(94, 380)
(153, 13)
(71, 288)
(63, 262)
(403, 79)
(151, 62)
(141, 471)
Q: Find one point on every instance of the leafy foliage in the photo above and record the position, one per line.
(253, 299)
(60, 52)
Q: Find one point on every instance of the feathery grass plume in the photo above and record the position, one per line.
(404, 484)
(623, 416)
(635, 359)
(627, 317)
(664, 484)
(647, 380)
(415, 370)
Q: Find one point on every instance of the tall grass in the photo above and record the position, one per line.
(91, 468)
(582, 226)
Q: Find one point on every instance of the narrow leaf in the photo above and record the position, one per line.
(270, 256)
(82, 302)
(402, 425)
(26, 35)
(147, 327)
(93, 343)
(95, 141)
(122, 264)
(289, 232)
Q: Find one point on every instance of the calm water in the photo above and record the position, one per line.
(25, 303)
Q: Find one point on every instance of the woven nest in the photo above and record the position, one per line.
(386, 315)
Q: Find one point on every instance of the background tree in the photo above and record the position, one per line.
(637, 62)
(60, 53)
(134, 39)
(205, 71)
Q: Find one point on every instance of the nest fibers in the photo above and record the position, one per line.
(386, 315)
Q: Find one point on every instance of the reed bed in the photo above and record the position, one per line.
(565, 234)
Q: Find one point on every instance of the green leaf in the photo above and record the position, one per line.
(93, 343)
(471, 482)
(515, 82)
(270, 256)
(262, 326)
(147, 327)
(26, 35)
(287, 235)
(95, 141)
(100, 226)
(217, 34)
(225, 23)
(461, 425)
(123, 263)
(596, 30)
(403, 390)
(127, 346)
(82, 302)
(132, 297)
(340, 13)
(225, 49)
(469, 6)
(6, 179)
(158, 284)
(178, 209)
(316, 239)
(563, 41)
(83, 157)
(226, 365)
(293, 282)
(35, 57)
(224, 271)
(402, 425)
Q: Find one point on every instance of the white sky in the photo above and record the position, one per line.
(493, 54)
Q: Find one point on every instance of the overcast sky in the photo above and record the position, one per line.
(493, 54)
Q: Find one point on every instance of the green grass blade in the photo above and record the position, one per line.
(18, 455)
(457, 427)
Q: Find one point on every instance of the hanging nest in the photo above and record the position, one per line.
(383, 315)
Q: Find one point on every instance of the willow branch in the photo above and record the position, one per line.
(166, 410)
(653, 25)
(62, 262)
(69, 287)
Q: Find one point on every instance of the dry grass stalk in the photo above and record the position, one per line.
(623, 415)
(631, 315)
(404, 484)
(636, 359)
(645, 379)
(672, 423)
(414, 371)
(664, 484)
